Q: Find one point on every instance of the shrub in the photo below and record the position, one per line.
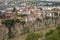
(33, 36)
(49, 33)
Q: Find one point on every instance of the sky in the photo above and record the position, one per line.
(36, 0)
(51, 0)
(46, 0)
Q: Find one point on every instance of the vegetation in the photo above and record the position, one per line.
(14, 9)
(53, 34)
(58, 27)
(34, 36)
(50, 32)
(22, 15)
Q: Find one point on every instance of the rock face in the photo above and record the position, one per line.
(20, 28)
(16, 30)
(3, 33)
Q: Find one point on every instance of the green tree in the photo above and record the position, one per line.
(21, 15)
(14, 9)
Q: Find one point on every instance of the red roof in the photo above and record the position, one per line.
(8, 14)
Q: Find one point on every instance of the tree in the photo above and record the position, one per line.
(21, 15)
(14, 9)
(40, 8)
(9, 23)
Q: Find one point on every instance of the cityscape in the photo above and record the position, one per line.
(29, 19)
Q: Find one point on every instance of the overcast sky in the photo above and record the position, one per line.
(36, 0)
(46, 0)
(52, 0)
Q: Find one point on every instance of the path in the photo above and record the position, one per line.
(22, 37)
